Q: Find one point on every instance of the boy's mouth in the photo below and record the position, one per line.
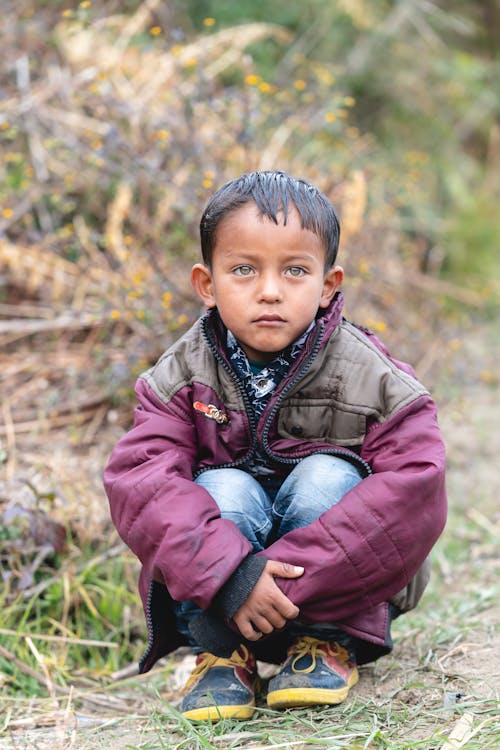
(269, 318)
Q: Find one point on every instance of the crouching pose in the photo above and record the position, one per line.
(283, 482)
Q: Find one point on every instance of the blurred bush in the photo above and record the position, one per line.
(119, 119)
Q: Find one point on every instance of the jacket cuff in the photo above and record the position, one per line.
(213, 635)
(239, 586)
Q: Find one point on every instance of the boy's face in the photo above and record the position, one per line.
(267, 281)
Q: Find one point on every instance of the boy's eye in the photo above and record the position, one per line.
(295, 271)
(243, 270)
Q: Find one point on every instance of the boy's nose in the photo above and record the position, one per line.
(270, 289)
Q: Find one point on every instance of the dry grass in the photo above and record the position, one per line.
(111, 148)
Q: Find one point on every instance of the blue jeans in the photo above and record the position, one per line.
(266, 511)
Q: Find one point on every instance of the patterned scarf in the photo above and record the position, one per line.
(259, 386)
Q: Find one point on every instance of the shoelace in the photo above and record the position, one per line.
(307, 646)
(210, 660)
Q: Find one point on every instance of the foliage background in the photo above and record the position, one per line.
(117, 120)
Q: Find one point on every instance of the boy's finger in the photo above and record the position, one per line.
(285, 607)
(285, 570)
(288, 610)
(248, 630)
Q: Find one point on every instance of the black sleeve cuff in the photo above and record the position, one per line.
(239, 586)
(213, 635)
(211, 629)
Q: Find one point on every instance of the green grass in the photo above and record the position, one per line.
(360, 723)
(85, 600)
(444, 666)
(82, 617)
(406, 700)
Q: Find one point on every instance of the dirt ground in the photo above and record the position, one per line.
(426, 666)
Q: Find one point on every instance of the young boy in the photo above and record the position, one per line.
(283, 482)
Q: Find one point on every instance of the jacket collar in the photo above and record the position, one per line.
(331, 316)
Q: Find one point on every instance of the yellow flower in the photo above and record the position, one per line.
(209, 21)
(67, 230)
(252, 80)
(265, 87)
(182, 319)
(162, 134)
(138, 277)
(190, 62)
(114, 314)
(85, 4)
(4, 125)
(299, 84)
(67, 13)
(155, 30)
(140, 314)
(349, 101)
(487, 376)
(135, 294)
(207, 184)
(330, 117)
(380, 326)
(363, 267)
(416, 157)
(7, 213)
(166, 299)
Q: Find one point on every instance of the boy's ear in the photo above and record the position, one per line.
(201, 279)
(332, 281)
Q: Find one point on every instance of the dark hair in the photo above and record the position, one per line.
(273, 192)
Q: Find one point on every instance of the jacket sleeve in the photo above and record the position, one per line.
(172, 524)
(366, 548)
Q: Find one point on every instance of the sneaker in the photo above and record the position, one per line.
(314, 672)
(221, 688)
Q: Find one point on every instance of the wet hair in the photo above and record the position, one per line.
(273, 192)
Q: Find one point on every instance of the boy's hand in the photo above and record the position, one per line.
(267, 608)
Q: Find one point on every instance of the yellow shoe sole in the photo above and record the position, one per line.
(296, 696)
(215, 713)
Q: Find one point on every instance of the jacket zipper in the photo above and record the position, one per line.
(340, 452)
(149, 624)
(246, 401)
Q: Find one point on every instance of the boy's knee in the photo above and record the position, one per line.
(322, 469)
(315, 485)
(232, 489)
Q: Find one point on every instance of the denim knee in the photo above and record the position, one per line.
(316, 484)
(242, 500)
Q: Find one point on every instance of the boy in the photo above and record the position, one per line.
(283, 482)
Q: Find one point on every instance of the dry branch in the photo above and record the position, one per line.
(52, 421)
(62, 322)
(25, 669)
(68, 640)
